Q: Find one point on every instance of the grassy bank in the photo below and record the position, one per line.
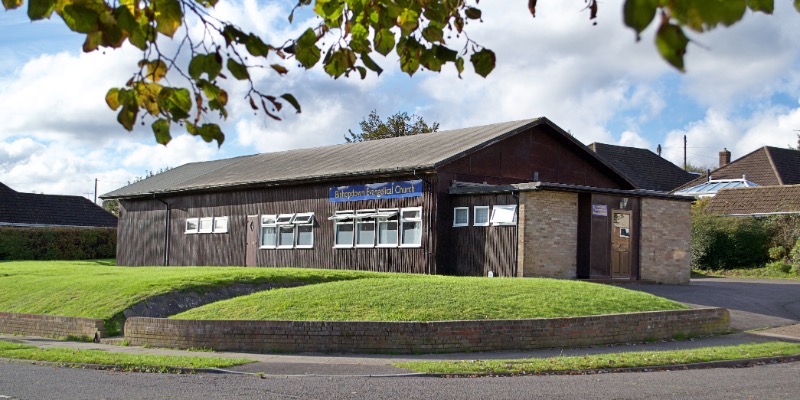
(124, 361)
(755, 273)
(433, 298)
(605, 361)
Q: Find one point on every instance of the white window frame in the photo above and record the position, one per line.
(206, 225)
(280, 244)
(384, 219)
(303, 220)
(196, 222)
(341, 218)
(223, 221)
(482, 209)
(365, 217)
(403, 219)
(465, 211)
(495, 218)
(284, 219)
(268, 221)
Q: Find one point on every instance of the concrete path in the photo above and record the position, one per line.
(754, 304)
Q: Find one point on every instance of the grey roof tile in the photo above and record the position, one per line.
(645, 169)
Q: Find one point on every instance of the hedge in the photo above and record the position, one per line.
(57, 243)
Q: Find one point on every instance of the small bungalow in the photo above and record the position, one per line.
(521, 198)
(47, 210)
(756, 201)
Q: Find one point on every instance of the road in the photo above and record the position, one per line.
(25, 381)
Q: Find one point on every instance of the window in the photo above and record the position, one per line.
(461, 216)
(191, 225)
(206, 225)
(285, 236)
(304, 224)
(220, 224)
(504, 215)
(365, 228)
(269, 231)
(284, 219)
(480, 216)
(343, 229)
(387, 227)
(411, 227)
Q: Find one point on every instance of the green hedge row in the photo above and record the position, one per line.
(57, 243)
(723, 242)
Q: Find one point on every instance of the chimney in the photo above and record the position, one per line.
(724, 157)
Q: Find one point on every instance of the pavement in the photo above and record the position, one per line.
(761, 310)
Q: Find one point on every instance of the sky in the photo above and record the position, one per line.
(741, 91)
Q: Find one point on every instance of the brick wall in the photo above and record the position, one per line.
(423, 337)
(665, 243)
(548, 237)
(51, 325)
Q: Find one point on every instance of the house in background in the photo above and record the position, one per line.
(757, 201)
(766, 166)
(45, 210)
(645, 169)
(521, 198)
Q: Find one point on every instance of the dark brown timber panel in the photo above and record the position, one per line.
(476, 250)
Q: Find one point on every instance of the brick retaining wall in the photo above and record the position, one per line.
(51, 325)
(423, 337)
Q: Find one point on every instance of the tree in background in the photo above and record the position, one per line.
(345, 38)
(111, 206)
(400, 124)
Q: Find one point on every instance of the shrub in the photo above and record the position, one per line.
(721, 242)
(780, 266)
(57, 243)
(794, 258)
(777, 253)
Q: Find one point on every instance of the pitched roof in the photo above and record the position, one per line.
(766, 166)
(759, 200)
(645, 169)
(30, 209)
(394, 155)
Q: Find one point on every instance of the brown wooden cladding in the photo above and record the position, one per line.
(476, 250)
(142, 224)
(599, 243)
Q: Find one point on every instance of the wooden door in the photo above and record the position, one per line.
(252, 240)
(621, 226)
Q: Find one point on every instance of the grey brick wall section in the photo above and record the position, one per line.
(665, 245)
(548, 236)
(423, 337)
(52, 326)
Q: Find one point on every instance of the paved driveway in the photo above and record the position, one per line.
(753, 303)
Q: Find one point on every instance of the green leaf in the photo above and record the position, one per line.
(429, 60)
(80, 19)
(410, 52)
(177, 102)
(472, 13)
(433, 34)
(797, 5)
(765, 6)
(483, 62)
(384, 41)
(307, 52)
(370, 63)
(127, 23)
(161, 130)
(127, 117)
(169, 16)
(671, 43)
(92, 42)
(280, 69)
(638, 14)
(156, 70)
(210, 64)
(238, 71)
(12, 4)
(112, 98)
(445, 54)
(408, 21)
(460, 66)
(255, 46)
(208, 132)
(288, 97)
(40, 9)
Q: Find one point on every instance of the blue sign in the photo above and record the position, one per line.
(374, 191)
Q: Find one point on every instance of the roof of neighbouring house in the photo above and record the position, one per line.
(712, 187)
(376, 157)
(645, 169)
(759, 200)
(765, 166)
(30, 209)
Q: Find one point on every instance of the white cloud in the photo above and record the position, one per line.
(182, 149)
(632, 139)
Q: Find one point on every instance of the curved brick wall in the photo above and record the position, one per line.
(51, 325)
(423, 337)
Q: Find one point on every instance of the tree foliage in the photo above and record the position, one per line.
(399, 124)
(344, 41)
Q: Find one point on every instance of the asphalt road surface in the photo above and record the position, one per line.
(753, 303)
(26, 381)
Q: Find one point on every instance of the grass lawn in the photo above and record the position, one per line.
(98, 289)
(605, 361)
(128, 362)
(433, 298)
(756, 273)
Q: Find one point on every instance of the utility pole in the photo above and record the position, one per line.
(685, 164)
(95, 190)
